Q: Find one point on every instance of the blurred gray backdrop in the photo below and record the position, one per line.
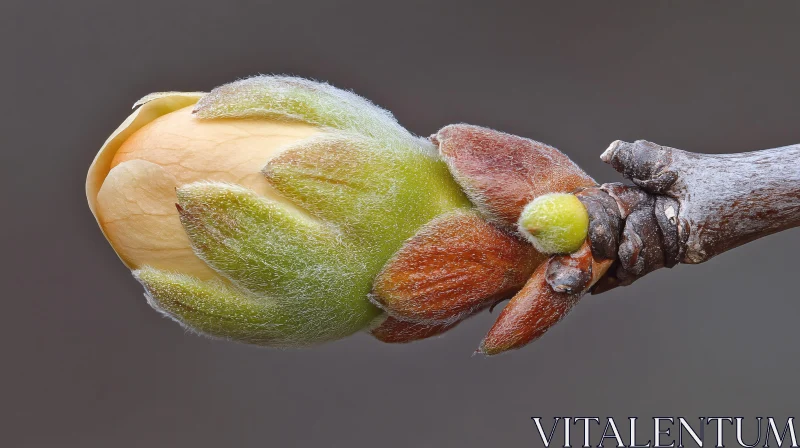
(86, 363)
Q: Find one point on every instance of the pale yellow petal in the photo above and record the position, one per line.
(136, 210)
(221, 150)
(152, 107)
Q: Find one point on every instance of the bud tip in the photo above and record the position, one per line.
(555, 223)
(608, 154)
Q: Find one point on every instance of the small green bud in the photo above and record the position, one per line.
(555, 223)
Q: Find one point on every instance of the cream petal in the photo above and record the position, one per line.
(152, 107)
(160, 146)
(135, 207)
(220, 150)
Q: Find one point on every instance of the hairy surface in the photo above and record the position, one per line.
(395, 331)
(455, 265)
(555, 223)
(296, 264)
(286, 98)
(538, 306)
(268, 211)
(135, 204)
(501, 173)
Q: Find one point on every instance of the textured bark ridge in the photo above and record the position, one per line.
(687, 207)
(636, 229)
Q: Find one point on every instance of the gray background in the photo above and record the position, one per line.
(86, 363)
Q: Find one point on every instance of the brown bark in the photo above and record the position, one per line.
(687, 207)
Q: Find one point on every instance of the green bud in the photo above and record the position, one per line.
(287, 98)
(218, 309)
(260, 244)
(378, 193)
(555, 223)
(282, 253)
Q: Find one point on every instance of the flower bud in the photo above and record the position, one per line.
(284, 212)
(262, 211)
(555, 223)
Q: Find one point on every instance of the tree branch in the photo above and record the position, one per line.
(687, 207)
(725, 200)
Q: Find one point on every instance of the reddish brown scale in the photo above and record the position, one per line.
(396, 331)
(528, 315)
(501, 173)
(453, 266)
(537, 307)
